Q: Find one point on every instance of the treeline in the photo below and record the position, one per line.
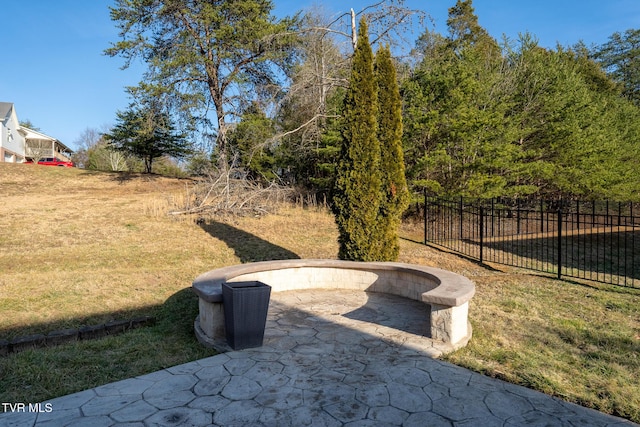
(487, 119)
(481, 118)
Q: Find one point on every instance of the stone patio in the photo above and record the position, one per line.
(336, 358)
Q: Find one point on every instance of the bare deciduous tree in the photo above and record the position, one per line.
(325, 61)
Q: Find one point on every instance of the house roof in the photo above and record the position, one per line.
(5, 109)
(32, 134)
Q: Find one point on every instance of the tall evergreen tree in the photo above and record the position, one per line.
(204, 55)
(250, 141)
(620, 57)
(457, 137)
(394, 192)
(570, 137)
(464, 29)
(356, 190)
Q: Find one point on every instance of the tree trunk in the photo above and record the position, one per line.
(354, 33)
(217, 96)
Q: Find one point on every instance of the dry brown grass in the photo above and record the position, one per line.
(78, 247)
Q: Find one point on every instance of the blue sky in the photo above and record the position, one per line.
(54, 71)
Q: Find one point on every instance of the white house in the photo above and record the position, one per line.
(18, 143)
(12, 141)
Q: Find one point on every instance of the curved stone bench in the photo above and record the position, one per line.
(446, 293)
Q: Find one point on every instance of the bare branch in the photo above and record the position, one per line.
(302, 126)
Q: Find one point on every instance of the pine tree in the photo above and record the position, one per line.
(148, 134)
(250, 141)
(394, 191)
(619, 58)
(356, 190)
(464, 29)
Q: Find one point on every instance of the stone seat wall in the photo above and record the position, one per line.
(447, 294)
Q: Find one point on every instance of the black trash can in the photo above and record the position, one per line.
(245, 313)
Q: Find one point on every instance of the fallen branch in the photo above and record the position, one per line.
(232, 193)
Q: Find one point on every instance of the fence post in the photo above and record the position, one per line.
(518, 216)
(560, 240)
(460, 210)
(493, 216)
(619, 213)
(425, 216)
(481, 233)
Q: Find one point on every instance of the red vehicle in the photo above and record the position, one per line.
(53, 161)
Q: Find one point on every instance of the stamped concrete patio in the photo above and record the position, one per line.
(330, 358)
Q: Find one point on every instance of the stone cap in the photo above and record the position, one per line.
(452, 289)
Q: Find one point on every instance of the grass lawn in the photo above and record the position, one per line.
(83, 248)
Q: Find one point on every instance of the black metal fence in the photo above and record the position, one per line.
(587, 240)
